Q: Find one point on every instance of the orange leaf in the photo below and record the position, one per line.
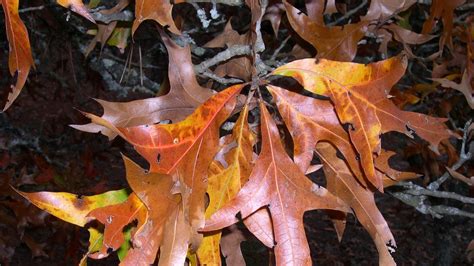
(360, 95)
(78, 7)
(20, 60)
(278, 183)
(157, 10)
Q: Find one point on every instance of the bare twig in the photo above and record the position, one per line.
(463, 157)
(33, 8)
(233, 51)
(125, 15)
(223, 81)
(416, 190)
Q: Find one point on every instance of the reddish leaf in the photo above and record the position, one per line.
(383, 9)
(342, 184)
(310, 121)
(278, 183)
(184, 96)
(360, 95)
(444, 10)
(336, 43)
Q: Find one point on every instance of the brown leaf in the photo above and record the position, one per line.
(20, 60)
(360, 95)
(336, 43)
(278, 183)
(240, 67)
(310, 121)
(230, 245)
(464, 87)
(184, 96)
(157, 10)
(383, 9)
(342, 184)
(444, 10)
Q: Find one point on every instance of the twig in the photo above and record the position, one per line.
(416, 190)
(348, 14)
(463, 157)
(125, 15)
(33, 8)
(225, 2)
(277, 51)
(223, 81)
(233, 51)
(465, 7)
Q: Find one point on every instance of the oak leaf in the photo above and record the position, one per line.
(78, 7)
(383, 9)
(444, 10)
(184, 96)
(278, 183)
(342, 184)
(360, 96)
(183, 150)
(157, 10)
(20, 59)
(336, 43)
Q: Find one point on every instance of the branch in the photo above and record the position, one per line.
(223, 81)
(416, 190)
(233, 51)
(463, 157)
(125, 15)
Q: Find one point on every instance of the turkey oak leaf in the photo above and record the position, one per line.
(78, 7)
(444, 10)
(73, 208)
(383, 9)
(20, 59)
(464, 87)
(360, 95)
(183, 150)
(315, 9)
(342, 184)
(406, 36)
(230, 245)
(164, 229)
(340, 43)
(224, 183)
(277, 182)
(157, 10)
(115, 218)
(391, 176)
(184, 96)
(310, 121)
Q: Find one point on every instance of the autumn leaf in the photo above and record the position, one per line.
(20, 60)
(336, 43)
(164, 229)
(342, 184)
(184, 96)
(78, 7)
(464, 87)
(183, 150)
(157, 10)
(310, 121)
(383, 9)
(360, 96)
(444, 10)
(72, 208)
(115, 218)
(278, 183)
(240, 67)
(225, 182)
